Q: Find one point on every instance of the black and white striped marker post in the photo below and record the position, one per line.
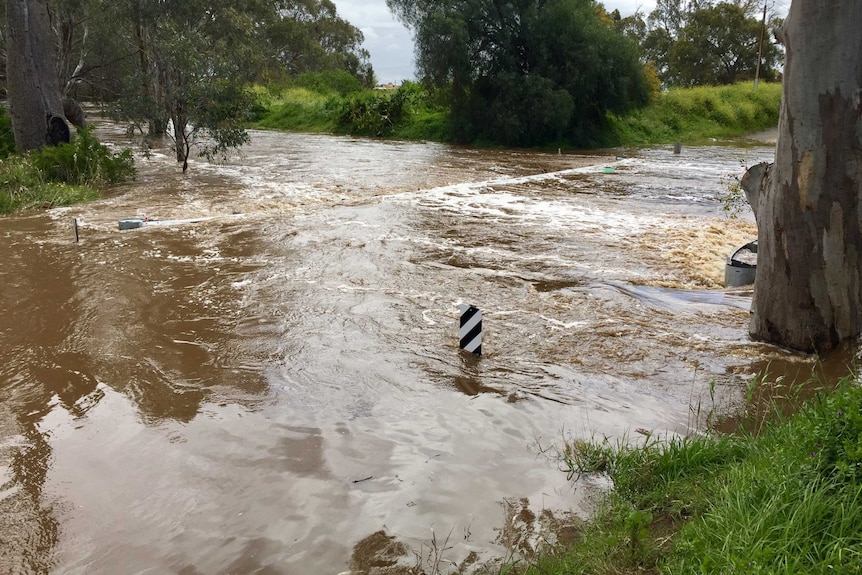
(471, 329)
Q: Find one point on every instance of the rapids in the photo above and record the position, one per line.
(277, 387)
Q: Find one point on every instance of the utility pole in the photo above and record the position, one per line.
(760, 46)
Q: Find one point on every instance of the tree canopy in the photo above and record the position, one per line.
(180, 67)
(524, 72)
(704, 42)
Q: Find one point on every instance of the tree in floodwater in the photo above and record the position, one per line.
(195, 58)
(192, 60)
(524, 72)
(808, 291)
(35, 105)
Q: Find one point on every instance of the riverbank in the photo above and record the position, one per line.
(700, 114)
(778, 497)
(689, 115)
(61, 175)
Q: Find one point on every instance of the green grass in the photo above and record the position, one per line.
(689, 115)
(46, 195)
(786, 501)
(61, 175)
(300, 110)
(424, 124)
(698, 114)
(322, 110)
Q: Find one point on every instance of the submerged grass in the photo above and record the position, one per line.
(788, 500)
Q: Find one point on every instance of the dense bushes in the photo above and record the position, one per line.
(376, 113)
(406, 112)
(61, 175)
(525, 73)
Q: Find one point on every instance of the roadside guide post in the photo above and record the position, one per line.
(471, 329)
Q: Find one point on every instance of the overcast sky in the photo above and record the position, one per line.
(390, 44)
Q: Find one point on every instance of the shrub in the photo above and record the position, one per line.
(62, 175)
(692, 114)
(84, 161)
(374, 114)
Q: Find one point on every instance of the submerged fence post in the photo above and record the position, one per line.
(677, 148)
(75, 228)
(471, 329)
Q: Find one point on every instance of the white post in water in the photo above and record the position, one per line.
(471, 329)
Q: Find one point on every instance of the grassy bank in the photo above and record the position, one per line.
(410, 112)
(787, 500)
(698, 114)
(317, 106)
(61, 175)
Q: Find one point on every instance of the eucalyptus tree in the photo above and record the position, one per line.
(808, 291)
(194, 58)
(35, 105)
(191, 60)
(171, 67)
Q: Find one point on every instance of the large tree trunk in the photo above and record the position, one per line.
(35, 105)
(808, 294)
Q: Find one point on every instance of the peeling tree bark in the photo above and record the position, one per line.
(808, 294)
(35, 105)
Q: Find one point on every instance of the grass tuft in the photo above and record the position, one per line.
(788, 500)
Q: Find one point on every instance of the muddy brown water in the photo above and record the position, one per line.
(278, 386)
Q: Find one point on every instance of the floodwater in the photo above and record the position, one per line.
(276, 386)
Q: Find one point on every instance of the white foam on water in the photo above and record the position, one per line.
(524, 205)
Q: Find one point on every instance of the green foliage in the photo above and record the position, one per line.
(328, 82)
(374, 114)
(695, 114)
(302, 110)
(664, 477)
(706, 43)
(794, 506)
(309, 36)
(185, 65)
(424, 124)
(680, 114)
(410, 112)
(222, 110)
(786, 501)
(83, 161)
(61, 175)
(522, 110)
(525, 73)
